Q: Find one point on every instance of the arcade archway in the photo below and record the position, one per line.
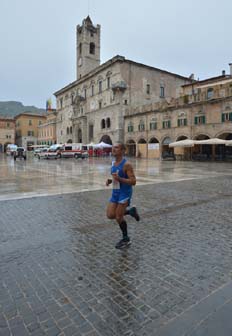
(153, 150)
(131, 148)
(142, 148)
(106, 138)
(167, 152)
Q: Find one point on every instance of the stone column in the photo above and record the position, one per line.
(84, 131)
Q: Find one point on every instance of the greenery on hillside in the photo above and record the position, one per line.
(12, 108)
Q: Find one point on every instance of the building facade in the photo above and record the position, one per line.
(202, 111)
(47, 130)
(26, 126)
(7, 132)
(92, 108)
(146, 107)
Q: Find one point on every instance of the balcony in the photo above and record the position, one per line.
(119, 86)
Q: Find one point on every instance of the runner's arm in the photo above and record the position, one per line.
(131, 180)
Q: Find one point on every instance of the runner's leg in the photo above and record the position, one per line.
(120, 210)
(111, 210)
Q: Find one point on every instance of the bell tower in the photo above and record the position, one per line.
(87, 46)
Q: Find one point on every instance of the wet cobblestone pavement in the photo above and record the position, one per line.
(61, 275)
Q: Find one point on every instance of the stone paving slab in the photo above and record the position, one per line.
(61, 275)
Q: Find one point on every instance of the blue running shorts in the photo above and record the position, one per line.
(121, 198)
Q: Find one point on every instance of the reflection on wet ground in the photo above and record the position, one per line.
(59, 271)
(50, 177)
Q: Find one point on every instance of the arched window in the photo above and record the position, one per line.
(67, 130)
(108, 122)
(103, 123)
(92, 48)
(80, 48)
(70, 130)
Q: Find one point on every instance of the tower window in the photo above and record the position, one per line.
(80, 48)
(92, 48)
(103, 123)
(92, 90)
(108, 82)
(108, 123)
(162, 93)
(100, 86)
(90, 132)
(148, 89)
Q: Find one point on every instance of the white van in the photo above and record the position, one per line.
(73, 150)
(11, 149)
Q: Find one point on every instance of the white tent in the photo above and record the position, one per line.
(228, 142)
(102, 145)
(183, 143)
(213, 141)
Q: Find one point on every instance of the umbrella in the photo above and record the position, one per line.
(213, 141)
(183, 143)
(102, 145)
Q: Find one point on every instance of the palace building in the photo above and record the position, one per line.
(93, 108)
(144, 106)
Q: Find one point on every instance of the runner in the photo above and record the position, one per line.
(123, 179)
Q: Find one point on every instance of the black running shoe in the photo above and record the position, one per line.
(134, 213)
(125, 242)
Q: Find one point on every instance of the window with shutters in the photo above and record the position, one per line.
(226, 117)
(199, 120)
(141, 126)
(182, 122)
(167, 124)
(153, 125)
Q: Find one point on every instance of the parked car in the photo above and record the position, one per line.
(51, 153)
(40, 150)
(10, 149)
(20, 153)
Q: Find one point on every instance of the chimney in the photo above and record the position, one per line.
(223, 72)
(230, 64)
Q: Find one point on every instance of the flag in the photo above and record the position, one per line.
(48, 104)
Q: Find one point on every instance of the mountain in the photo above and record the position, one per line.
(12, 108)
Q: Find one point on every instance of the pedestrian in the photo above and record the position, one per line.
(123, 178)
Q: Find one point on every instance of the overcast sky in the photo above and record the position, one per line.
(38, 40)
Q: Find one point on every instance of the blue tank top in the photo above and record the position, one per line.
(125, 188)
